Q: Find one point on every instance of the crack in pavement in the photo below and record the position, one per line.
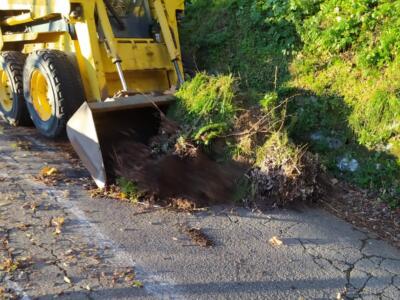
(153, 283)
(351, 291)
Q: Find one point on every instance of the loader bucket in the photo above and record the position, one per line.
(96, 127)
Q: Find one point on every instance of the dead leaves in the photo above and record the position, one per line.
(183, 204)
(9, 265)
(49, 176)
(111, 192)
(128, 276)
(198, 237)
(48, 171)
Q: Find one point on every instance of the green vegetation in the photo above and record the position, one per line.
(129, 189)
(336, 60)
(206, 106)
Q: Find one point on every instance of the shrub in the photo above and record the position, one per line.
(205, 105)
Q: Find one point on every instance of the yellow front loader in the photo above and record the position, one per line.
(98, 68)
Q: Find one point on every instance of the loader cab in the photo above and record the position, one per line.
(130, 18)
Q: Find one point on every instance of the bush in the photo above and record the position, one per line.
(205, 105)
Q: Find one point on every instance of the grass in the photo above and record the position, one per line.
(129, 190)
(341, 59)
(205, 105)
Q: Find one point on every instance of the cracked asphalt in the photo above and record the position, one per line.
(107, 249)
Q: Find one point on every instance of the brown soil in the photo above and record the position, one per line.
(180, 179)
(182, 176)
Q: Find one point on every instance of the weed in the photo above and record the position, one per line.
(137, 284)
(9, 265)
(129, 189)
(205, 105)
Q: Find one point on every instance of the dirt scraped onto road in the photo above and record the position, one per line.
(171, 171)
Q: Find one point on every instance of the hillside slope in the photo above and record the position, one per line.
(336, 63)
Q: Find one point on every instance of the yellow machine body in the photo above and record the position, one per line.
(118, 71)
(147, 64)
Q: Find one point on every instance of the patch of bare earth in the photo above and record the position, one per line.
(174, 174)
(355, 206)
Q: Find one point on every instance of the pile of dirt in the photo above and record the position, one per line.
(173, 171)
(283, 178)
(282, 173)
(170, 170)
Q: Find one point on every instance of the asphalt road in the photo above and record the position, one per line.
(57, 241)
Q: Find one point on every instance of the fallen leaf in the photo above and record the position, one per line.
(130, 277)
(58, 223)
(9, 265)
(67, 280)
(48, 171)
(183, 204)
(274, 241)
(137, 284)
(34, 206)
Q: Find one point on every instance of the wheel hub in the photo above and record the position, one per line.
(40, 97)
(6, 96)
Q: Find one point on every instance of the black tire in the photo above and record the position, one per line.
(65, 91)
(12, 64)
